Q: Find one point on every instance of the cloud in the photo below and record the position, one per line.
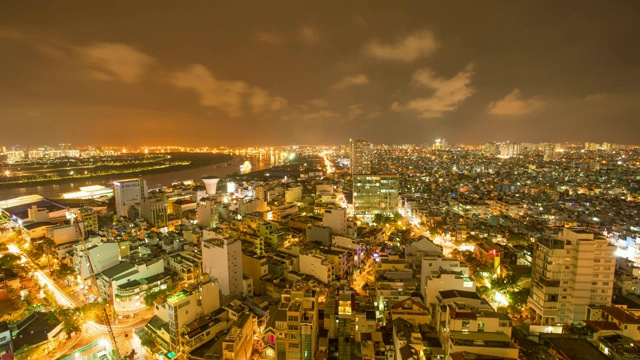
(318, 102)
(355, 110)
(227, 96)
(309, 35)
(12, 34)
(270, 38)
(513, 105)
(351, 80)
(111, 61)
(260, 101)
(407, 49)
(447, 94)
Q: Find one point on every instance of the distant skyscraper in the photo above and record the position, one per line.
(361, 152)
(549, 151)
(222, 259)
(373, 194)
(129, 192)
(440, 144)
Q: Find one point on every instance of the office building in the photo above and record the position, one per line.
(569, 273)
(375, 194)
(222, 259)
(361, 153)
(128, 192)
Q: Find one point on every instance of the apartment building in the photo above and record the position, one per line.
(569, 273)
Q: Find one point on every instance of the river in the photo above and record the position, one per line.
(153, 180)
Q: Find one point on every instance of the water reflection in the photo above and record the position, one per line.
(153, 180)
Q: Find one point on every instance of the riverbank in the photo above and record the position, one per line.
(178, 162)
(154, 180)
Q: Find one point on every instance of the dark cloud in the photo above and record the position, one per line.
(298, 72)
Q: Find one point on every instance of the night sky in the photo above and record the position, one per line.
(318, 72)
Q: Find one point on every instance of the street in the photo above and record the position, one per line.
(91, 331)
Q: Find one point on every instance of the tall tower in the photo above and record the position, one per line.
(361, 152)
(128, 192)
(222, 259)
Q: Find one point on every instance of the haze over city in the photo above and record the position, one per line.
(291, 72)
(319, 180)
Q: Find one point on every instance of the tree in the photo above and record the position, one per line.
(63, 272)
(148, 342)
(151, 297)
(8, 261)
(378, 219)
(507, 283)
(3, 248)
(519, 298)
(71, 318)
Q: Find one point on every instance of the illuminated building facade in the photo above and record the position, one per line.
(222, 258)
(129, 192)
(570, 273)
(154, 211)
(373, 194)
(361, 152)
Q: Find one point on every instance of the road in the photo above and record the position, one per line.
(91, 331)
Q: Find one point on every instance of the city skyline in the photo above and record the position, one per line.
(226, 74)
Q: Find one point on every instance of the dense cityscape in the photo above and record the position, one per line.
(359, 251)
(319, 180)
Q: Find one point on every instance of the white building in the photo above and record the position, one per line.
(431, 264)
(128, 192)
(103, 255)
(126, 284)
(317, 266)
(336, 219)
(569, 273)
(208, 212)
(222, 259)
(186, 305)
(469, 324)
(446, 280)
(293, 194)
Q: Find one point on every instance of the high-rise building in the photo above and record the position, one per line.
(375, 194)
(89, 218)
(361, 152)
(222, 259)
(185, 307)
(570, 273)
(549, 151)
(154, 211)
(295, 327)
(128, 192)
(208, 212)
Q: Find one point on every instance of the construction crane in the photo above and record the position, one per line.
(73, 217)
